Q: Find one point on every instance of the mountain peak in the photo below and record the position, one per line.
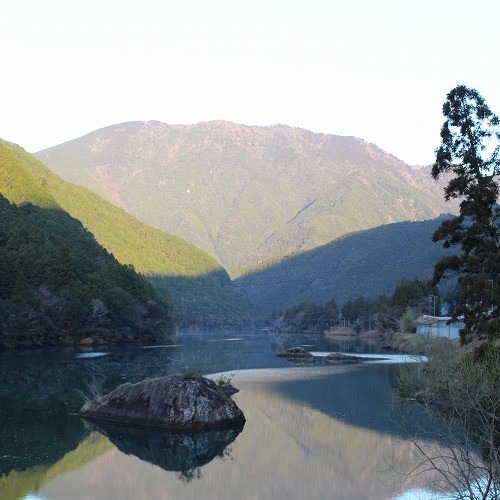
(239, 192)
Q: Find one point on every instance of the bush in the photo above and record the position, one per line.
(461, 389)
(190, 373)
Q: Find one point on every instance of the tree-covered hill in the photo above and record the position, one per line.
(200, 289)
(57, 284)
(368, 263)
(246, 194)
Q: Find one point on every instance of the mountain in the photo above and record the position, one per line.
(246, 194)
(57, 284)
(200, 289)
(367, 263)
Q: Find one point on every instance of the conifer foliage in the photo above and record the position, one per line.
(57, 284)
(470, 151)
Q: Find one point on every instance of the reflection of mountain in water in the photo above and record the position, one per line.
(18, 484)
(358, 395)
(170, 450)
(322, 438)
(41, 390)
(288, 451)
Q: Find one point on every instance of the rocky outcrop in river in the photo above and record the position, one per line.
(337, 357)
(296, 354)
(172, 402)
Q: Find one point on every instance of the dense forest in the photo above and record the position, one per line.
(199, 287)
(57, 284)
(397, 312)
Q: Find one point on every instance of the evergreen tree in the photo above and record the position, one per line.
(470, 151)
(415, 294)
(330, 314)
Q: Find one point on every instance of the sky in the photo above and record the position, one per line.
(375, 69)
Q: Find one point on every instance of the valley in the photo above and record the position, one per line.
(279, 215)
(247, 194)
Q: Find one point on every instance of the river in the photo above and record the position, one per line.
(313, 431)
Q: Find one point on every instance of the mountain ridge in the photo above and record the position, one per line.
(245, 193)
(367, 263)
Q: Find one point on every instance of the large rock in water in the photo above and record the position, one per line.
(172, 402)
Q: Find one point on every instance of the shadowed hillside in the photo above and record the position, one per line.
(245, 194)
(368, 263)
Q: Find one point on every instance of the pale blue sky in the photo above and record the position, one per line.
(375, 69)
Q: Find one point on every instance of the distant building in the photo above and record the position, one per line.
(437, 326)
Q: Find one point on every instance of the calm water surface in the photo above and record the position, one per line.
(313, 431)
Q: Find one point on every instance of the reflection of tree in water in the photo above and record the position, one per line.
(41, 391)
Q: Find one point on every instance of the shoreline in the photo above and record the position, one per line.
(308, 372)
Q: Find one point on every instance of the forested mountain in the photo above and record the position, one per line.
(368, 263)
(245, 194)
(57, 284)
(198, 286)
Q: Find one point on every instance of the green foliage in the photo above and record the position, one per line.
(363, 311)
(63, 287)
(57, 284)
(398, 313)
(416, 294)
(408, 320)
(310, 317)
(198, 286)
(19, 187)
(459, 388)
(223, 381)
(411, 343)
(470, 151)
(411, 298)
(191, 373)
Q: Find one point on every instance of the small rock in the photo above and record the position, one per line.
(336, 357)
(296, 354)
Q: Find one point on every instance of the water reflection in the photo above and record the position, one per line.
(288, 450)
(41, 390)
(322, 437)
(171, 450)
(359, 395)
